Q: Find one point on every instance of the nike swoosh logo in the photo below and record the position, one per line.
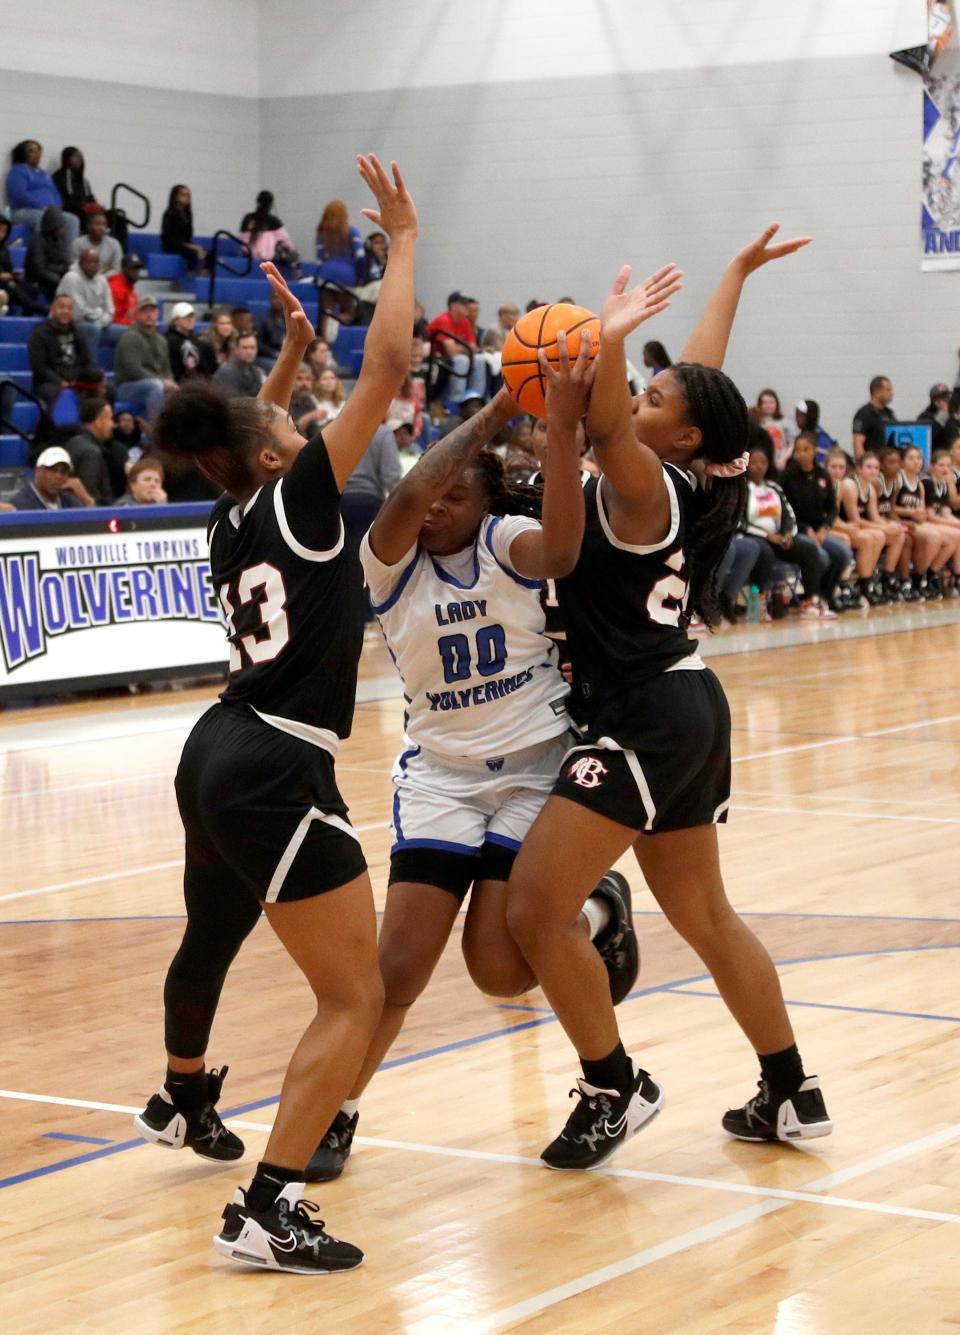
(287, 1244)
(617, 1126)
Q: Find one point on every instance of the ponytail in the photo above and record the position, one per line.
(223, 435)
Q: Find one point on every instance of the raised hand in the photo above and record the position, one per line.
(761, 251)
(295, 319)
(395, 213)
(568, 384)
(624, 311)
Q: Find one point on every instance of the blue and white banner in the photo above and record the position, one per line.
(941, 171)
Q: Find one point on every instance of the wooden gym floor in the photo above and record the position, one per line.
(843, 848)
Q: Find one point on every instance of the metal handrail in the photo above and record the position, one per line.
(216, 260)
(438, 361)
(122, 185)
(24, 394)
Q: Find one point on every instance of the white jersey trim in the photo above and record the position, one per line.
(644, 549)
(322, 737)
(307, 553)
(293, 848)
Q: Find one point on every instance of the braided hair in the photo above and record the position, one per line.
(716, 407)
(505, 496)
(200, 423)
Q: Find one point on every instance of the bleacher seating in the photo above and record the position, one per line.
(14, 452)
(13, 357)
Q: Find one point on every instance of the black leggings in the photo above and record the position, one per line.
(801, 552)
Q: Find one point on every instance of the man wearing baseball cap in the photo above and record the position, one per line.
(54, 487)
(190, 357)
(142, 362)
(945, 428)
(123, 291)
(448, 333)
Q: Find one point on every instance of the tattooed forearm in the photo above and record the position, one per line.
(444, 461)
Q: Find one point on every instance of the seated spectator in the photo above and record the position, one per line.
(13, 290)
(72, 186)
(656, 359)
(221, 336)
(144, 484)
(871, 421)
(92, 302)
(932, 547)
(444, 331)
(123, 289)
(865, 539)
(127, 435)
(271, 330)
(303, 403)
(53, 487)
(142, 362)
(263, 232)
(88, 449)
(407, 452)
(521, 436)
(495, 335)
(807, 417)
(58, 352)
(339, 245)
(419, 320)
(30, 190)
(98, 239)
(319, 358)
(240, 377)
(409, 404)
(176, 230)
(376, 252)
(936, 486)
(330, 395)
(190, 357)
(241, 317)
(895, 534)
(465, 407)
(945, 428)
(809, 489)
(781, 432)
(914, 553)
(47, 258)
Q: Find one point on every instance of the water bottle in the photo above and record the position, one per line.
(753, 606)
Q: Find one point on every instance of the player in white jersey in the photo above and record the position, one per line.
(455, 576)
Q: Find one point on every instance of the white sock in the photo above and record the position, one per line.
(349, 1106)
(597, 913)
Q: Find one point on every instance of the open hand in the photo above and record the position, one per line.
(624, 311)
(761, 251)
(296, 323)
(396, 214)
(567, 384)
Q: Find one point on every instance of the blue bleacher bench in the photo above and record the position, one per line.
(13, 357)
(14, 452)
(18, 328)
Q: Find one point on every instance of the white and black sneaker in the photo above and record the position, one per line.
(617, 943)
(602, 1121)
(770, 1116)
(163, 1123)
(284, 1237)
(330, 1156)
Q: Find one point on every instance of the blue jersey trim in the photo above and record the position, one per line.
(439, 845)
(402, 765)
(401, 584)
(519, 579)
(502, 841)
(450, 579)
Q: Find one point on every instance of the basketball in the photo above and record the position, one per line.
(538, 329)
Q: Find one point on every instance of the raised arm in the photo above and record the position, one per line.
(396, 526)
(386, 357)
(708, 342)
(298, 334)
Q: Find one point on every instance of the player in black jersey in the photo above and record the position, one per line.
(933, 545)
(654, 769)
(266, 828)
(867, 486)
(940, 491)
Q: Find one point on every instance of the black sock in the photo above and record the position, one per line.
(268, 1181)
(783, 1071)
(188, 1089)
(615, 1071)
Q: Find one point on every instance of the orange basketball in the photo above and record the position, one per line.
(538, 329)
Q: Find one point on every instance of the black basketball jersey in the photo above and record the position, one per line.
(624, 606)
(287, 586)
(886, 497)
(863, 499)
(938, 494)
(910, 494)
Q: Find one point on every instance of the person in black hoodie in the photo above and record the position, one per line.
(190, 357)
(58, 353)
(17, 293)
(176, 229)
(47, 257)
(73, 186)
(810, 492)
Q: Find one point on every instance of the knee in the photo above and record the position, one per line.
(528, 918)
(497, 977)
(705, 926)
(403, 978)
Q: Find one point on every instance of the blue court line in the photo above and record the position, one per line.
(514, 1006)
(70, 1163)
(833, 1006)
(83, 1140)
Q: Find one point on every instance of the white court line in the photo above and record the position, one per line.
(134, 871)
(844, 815)
(869, 735)
(809, 1197)
(126, 779)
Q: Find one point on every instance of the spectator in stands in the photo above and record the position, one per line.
(30, 190)
(407, 451)
(98, 238)
(339, 245)
(865, 539)
(365, 491)
(655, 358)
(263, 232)
(241, 317)
(53, 487)
(13, 290)
(47, 258)
(127, 436)
(142, 361)
(462, 409)
(444, 331)
(190, 357)
(144, 484)
(807, 417)
(57, 352)
(87, 449)
(945, 428)
(495, 335)
(809, 490)
(319, 358)
(72, 186)
(123, 289)
(92, 303)
(221, 336)
(330, 395)
(781, 432)
(419, 320)
(303, 403)
(376, 252)
(176, 230)
(409, 404)
(240, 377)
(871, 421)
(270, 330)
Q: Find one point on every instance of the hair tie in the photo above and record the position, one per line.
(732, 469)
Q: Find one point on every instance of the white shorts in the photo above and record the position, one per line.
(456, 806)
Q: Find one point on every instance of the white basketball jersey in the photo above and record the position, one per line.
(467, 635)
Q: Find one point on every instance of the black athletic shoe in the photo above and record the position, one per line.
(617, 943)
(768, 1116)
(910, 592)
(163, 1123)
(602, 1121)
(283, 1237)
(331, 1155)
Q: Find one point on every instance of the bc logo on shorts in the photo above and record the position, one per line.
(587, 772)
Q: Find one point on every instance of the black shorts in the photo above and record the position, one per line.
(448, 870)
(261, 810)
(658, 758)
